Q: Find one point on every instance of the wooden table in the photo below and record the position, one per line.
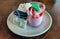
(7, 6)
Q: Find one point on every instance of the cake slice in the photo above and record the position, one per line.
(20, 19)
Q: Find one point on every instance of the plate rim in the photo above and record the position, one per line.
(34, 34)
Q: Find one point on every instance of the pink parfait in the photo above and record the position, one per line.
(35, 17)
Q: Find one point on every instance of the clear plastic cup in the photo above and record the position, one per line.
(36, 21)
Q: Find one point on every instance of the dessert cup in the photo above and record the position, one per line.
(36, 21)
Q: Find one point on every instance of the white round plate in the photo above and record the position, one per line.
(31, 31)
